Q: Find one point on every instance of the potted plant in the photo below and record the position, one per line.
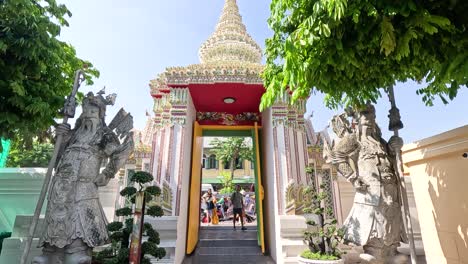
(120, 232)
(322, 237)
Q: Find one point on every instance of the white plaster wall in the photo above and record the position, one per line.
(301, 159)
(175, 168)
(292, 154)
(165, 154)
(281, 169)
(185, 184)
(155, 155)
(272, 226)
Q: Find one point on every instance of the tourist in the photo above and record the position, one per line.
(208, 198)
(238, 206)
(214, 215)
(221, 204)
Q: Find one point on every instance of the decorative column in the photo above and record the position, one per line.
(284, 132)
(179, 117)
(290, 152)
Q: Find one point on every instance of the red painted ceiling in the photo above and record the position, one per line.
(209, 97)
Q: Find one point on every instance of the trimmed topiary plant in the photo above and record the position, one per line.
(120, 232)
(323, 236)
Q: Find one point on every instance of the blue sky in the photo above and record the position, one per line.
(130, 42)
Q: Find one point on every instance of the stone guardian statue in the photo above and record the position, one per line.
(367, 161)
(75, 221)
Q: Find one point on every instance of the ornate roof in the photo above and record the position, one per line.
(230, 41)
(230, 55)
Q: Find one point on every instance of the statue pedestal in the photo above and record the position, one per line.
(292, 237)
(167, 229)
(13, 246)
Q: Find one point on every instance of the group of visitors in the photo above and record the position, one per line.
(239, 206)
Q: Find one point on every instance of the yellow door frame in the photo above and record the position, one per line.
(195, 182)
(193, 221)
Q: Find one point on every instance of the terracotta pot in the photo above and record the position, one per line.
(316, 261)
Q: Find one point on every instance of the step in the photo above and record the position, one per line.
(229, 251)
(228, 234)
(228, 260)
(228, 243)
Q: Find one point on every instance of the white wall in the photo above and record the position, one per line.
(185, 182)
(270, 209)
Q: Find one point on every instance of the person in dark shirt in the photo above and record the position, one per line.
(238, 206)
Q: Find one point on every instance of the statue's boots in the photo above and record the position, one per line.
(368, 259)
(399, 259)
(78, 258)
(78, 253)
(382, 255)
(50, 255)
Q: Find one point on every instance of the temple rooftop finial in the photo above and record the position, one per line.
(230, 42)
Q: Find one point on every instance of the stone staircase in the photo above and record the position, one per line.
(222, 244)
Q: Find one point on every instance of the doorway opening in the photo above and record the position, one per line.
(227, 164)
(216, 173)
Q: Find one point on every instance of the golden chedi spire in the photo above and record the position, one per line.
(230, 42)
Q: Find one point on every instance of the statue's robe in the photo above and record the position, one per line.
(74, 210)
(376, 212)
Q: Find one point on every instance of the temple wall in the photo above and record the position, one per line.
(183, 176)
(171, 164)
(289, 158)
(439, 175)
(281, 168)
(272, 230)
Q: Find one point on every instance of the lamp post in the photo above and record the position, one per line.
(395, 125)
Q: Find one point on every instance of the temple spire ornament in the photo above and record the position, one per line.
(230, 42)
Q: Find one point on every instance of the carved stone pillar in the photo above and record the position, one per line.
(290, 152)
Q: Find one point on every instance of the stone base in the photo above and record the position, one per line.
(353, 254)
(13, 249)
(292, 237)
(13, 246)
(167, 229)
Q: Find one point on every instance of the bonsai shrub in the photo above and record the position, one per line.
(323, 236)
(120, 232)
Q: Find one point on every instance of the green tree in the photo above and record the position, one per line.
(350, 49)
(37, 156)
(228, 185)
(230, 149)
(36, 69)
(120, 232)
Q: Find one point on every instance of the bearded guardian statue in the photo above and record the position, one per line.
(75, 221)
(367, 161)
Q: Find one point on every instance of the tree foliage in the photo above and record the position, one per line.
(228, 150)
(37, 156)
(36, 69)
(118, 251)
(227, 183)
(350, 49)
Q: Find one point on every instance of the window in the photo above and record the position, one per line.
(239, 163)
(204, 161)
(252, 165)
(212, 162)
